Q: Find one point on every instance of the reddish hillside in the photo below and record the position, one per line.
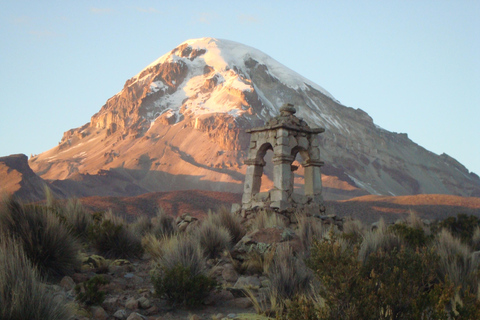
(195, 202)
(366, 208)
(428, 206)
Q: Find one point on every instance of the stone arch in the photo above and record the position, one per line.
(262, 150)
(287, 136)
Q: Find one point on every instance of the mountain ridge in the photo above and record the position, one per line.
(181, 121)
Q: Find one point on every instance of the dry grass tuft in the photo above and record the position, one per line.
(379, 239)
(22, 295)
(45, 240)
(457, 261)
(231, 222)
(267, 219)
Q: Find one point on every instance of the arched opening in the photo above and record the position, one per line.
(300, 156)
(267, 177)
(265, 155)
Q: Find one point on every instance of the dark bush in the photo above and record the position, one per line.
(224, 218)
(180, 286)
(401, 283)
(45, 240)
(89, 292)
(22, 295)
(463, 226)
(415, 237)
(289, 277)
(212, 238)
(163, 225)
(181, 273)
(112, 238)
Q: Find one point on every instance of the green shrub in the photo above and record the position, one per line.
(415, 237)
(226, 219)
(22, 295)
(89, 292)
(179, 285)
(390, 284)
(112, 237)
(463, 226)
(45, 240)
(181, 273)
(212, 238)
(337, 268)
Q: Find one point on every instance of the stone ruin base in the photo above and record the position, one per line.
(289, 215)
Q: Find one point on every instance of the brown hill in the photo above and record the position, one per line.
(195, 202)
(368, 209)
(19, 180)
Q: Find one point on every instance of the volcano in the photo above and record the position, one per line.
(180, 124)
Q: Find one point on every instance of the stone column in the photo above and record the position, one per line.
(282, 181)
(253, 179)
(313, 178)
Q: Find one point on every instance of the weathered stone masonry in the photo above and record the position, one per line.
(286, 135)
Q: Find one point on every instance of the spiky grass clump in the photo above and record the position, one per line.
(45, 240)
(226, 219)
(153, 246)
(379, 239)
(22, 295)
(181, 272)
(142, 225)
(457, 263)
(163, 225)
(77, 218)
(212, 238)
(267, 219)
(289, 279)
(309, 228)
(476, 239)
(112, 237)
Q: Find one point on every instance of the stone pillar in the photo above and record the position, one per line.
(313, 178)
(253, 179)
(282, 181)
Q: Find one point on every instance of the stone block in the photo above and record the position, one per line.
(280, 150)
(303, 142)
(280, 205)
(281, 132)
(278, 195)
(299, 198)
(282, 141)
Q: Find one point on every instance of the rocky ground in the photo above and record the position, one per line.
(130, 293)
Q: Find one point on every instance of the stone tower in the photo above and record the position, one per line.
(286, 135)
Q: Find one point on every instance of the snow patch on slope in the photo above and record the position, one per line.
(221, 55)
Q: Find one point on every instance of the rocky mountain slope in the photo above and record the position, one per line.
(180, 124)
(18, 179)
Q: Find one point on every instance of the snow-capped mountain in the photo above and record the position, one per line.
(180, 124)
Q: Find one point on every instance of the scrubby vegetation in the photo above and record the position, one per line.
(112, 237)
(22, 294)
(295, 267)
(90, 292)
(181, 273)
(46, 241)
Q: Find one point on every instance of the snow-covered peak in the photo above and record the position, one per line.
(224, 54)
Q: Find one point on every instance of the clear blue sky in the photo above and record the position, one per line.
(414, 66)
